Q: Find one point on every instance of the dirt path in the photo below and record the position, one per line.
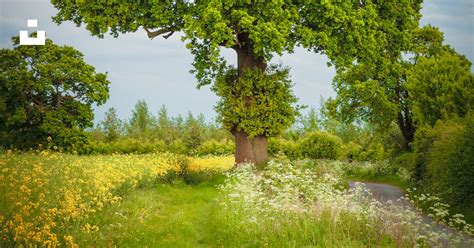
(386, 192)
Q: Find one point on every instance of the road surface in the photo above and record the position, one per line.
(385, 192)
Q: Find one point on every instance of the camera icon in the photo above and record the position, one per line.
(25, 39)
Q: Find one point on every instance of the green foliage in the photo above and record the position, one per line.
(321, 145)
(121, 17)
(274, 27)
(314, 145)
(112, 125)
(310, 122)
(195, 131)
(213, 147)
(443, 87)
(142, 121)
(260, 103)
(450, 162)
(373, 152)
(47, 91)
(442, 162)
(377, 90)
(289, 148)
(146, 133)
(166, 127)
(418, 81)
(269, 26)
(424, 138)
(357, 141)
(383, 171)
(125, 146)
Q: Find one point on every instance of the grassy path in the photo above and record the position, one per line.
(169, 215)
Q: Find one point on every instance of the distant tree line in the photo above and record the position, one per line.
(314, 135)
(146, 132)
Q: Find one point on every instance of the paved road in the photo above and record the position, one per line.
(382, 192)
(385, 192)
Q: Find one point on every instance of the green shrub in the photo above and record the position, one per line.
(213, 147)
(125, 146)
(450, 162)
(422, 144)
(371, 151)
(405, 160)
(317, 145)
(352, 151)
(283, 146)
(178, 146)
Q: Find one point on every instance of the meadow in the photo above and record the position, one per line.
(167, 200)
(47, 194)
(264, 172)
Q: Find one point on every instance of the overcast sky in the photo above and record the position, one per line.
(158, 70)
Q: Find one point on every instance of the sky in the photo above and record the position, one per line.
(157, 70)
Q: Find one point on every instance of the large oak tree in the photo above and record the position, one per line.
(260, 96)
(47, 91)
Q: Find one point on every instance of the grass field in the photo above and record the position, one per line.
(167, 200)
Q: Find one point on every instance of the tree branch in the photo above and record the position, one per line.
(153, 34)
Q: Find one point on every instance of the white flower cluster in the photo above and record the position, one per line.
(285, 189)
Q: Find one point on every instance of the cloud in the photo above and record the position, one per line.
(455, 19)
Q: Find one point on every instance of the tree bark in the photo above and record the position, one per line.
(253, 150)
(260, 149)
(243, 148)
(405, 123)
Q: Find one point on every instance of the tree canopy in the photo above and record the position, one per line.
(342, 30)
(442, 86)
(47, 91)
(400, 86)
(112, 125)
(345, 31)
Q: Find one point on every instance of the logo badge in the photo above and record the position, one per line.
(40, 35)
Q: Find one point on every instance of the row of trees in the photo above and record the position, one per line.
(145, 126)
(194, 135)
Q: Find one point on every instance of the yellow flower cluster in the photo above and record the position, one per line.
(42, 195)
(211, 164)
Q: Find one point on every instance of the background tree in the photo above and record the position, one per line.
(142, 121)
(310, 122)
(47, 91)
(112, 125)
(256, 31)
(443, 87)
(166, 126)
(376, 90)
(194, 131)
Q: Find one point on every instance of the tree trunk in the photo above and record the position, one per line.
(252, 150)
(243, 148)
(260, 149)
(405, 123)
(249, 150)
